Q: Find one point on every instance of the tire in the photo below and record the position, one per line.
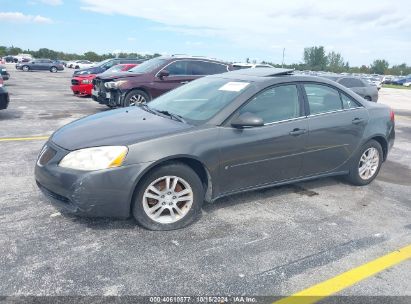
(160, 218)
(76, 67)
(374, 164)
(136, 97)
(25, 68)
(53, 69)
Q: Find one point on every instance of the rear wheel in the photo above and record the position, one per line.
(169, 197)
(53, 69)
(25, 68)
(136, 97)
(366, 164)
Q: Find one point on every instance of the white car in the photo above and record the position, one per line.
(407, 84)
(80, 64)
(241, 65)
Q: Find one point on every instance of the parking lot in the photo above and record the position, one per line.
(268, 242)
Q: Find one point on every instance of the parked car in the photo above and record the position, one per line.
(216, 136)
(400, 80)
(106, 64)
(152, 79)
(23, 58)
(362, 87)
(9, 59)
(4, 96)
(240, 65)
(39, 65)
(83, 64)
(407, 84)
(3, 73)
(81, 85)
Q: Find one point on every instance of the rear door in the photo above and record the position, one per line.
(272, 153)
(336, 123)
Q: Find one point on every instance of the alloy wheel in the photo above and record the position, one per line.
(369, 162)
(168, 199)
(137, 99)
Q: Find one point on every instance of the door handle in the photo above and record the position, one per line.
(298, 131)
(357, 121)
(184, 82)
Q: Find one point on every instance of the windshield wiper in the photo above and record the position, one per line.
(175, 116)
(147, 108)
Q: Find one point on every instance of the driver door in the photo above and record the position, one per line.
(272, 153)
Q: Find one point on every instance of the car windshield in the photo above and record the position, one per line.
(148, 66)
(114, 69)
(199, 100)
(103, 62)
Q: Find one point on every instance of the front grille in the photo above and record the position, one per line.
(52, 194)
(46, 155)
(75, 82)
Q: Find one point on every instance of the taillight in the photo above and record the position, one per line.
(392, 115)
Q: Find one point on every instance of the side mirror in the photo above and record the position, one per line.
(163, 73)
(247, 120)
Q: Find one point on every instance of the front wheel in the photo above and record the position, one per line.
(25, 68)
(366, 164)
(169, 197)
(53, 69)
(136, 97)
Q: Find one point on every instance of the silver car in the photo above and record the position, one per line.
(365, 89)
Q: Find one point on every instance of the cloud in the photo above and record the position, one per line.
(52, 2)
(17, 17)
(255, 25)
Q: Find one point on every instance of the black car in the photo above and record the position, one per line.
(3, 73)
(40, 65)
(105, 65)
(4, 97)
(216, 136)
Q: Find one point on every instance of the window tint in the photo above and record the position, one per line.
(322, 98)
(275, 104)
(205, 68)
(348, 103)
(351, 82)
(177, 68)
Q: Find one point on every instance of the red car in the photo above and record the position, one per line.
(81, 85)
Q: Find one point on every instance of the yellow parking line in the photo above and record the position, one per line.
(24, 138)
(324, 289)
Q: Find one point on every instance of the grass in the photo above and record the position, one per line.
(393, 86)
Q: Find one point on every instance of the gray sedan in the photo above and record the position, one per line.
(40, 65)
(365, 89)
(216, 136)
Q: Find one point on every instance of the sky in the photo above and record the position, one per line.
(231, 30)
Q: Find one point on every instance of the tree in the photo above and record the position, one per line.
(92, 56)
(315, 58)
(336, 62)
(379, 66)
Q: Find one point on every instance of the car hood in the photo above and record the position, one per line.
(124, 126)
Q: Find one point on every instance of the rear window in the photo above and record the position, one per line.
(351, 82)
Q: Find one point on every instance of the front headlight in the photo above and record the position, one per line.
(87, 81)
(96, 158)
(114, 84)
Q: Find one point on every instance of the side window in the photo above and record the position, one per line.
(348, 103)
(322, 98)
(177, 68)
(205, 68)
(275, 104)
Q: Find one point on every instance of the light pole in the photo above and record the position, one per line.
(282, 64)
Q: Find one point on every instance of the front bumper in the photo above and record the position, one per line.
(82, 89)
(102, 193)
(111, 98)
(4, 99)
